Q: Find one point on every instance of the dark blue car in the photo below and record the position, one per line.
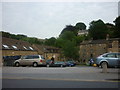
(70, 63)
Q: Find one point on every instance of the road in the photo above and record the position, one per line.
(32, 83)
(57, 77)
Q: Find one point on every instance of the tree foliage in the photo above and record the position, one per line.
(117, 27)
(80, 26)
(31, 40)
(98, 30)
(111, 29)
(69, 28)
(70, 50)
(51, 41)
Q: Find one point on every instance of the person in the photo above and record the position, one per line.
(52, 60)
(91, 62)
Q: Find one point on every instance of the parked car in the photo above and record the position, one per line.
(49, 61)
(57, 64)
(9, 60)
(70, 63)
(30, 60)
(110, 59)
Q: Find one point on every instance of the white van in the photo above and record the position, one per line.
(30, 60)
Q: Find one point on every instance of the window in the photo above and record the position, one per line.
(24, 47)
(14, 47)
(35, 56)
(28, 57)
(112, 55)
(118, 55)
(31, 48)
(5, 46)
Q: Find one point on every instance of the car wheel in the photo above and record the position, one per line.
(103, 63)
(35, 64)
(17, 64)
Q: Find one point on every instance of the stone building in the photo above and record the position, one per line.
(48, 51)
(93, 48)
(11, 47)
(83, 32)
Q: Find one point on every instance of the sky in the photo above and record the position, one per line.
(47, 19)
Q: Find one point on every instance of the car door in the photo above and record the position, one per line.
(118, 61)
(23, 60)
(26, 60)
(112, 59)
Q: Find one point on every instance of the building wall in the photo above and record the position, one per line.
(48, 52)
(114, 47)
(14, 53)
(50, 55)
(91, 51)
(88, 51)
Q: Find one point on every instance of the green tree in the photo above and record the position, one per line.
(51, 41)
(80, 26)
(117, 27)
(98, 30)
(111, 29)
(68, 45)
(59, 42)
(68, 36)
(5, 34)
(69, 28)
(70, 50)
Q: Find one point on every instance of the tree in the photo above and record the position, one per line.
(59, 42)
(98, 30)
(69, 28)
(80, 26)
(5, 34)
(117, 27)
(70, 50)
(68, 35)
(111, 29)
(51, 41)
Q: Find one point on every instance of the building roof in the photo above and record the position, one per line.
(102, 41)
(94, 42)
(13, 44)
(46, 49)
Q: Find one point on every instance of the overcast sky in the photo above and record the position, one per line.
(47, 19)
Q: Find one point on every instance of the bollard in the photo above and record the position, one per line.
(104, 67)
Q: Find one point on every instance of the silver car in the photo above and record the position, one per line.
(110, 59)
(29, 60)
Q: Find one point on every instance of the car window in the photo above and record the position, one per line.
(42, 57)
(118, 55)
(35, 56)
(28, 57)
(111, 55)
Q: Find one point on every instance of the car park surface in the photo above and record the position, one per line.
(78, 76)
